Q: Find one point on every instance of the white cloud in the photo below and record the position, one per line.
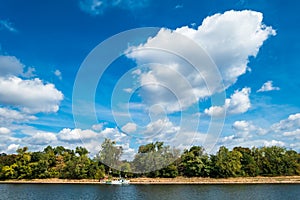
(283, 133)
(238, 102)
(7, 25)
(29, 73)
(79, 135)
(229, 39)
(129, 127)
(4, 131)
(128, 152)
(164, 130)
(31, 96)
(10, 65)
(273, 143)
(97, 7)
(160, 127)
(8, 116)
(128, 90)
(76, 135)
(42, 138)
(98, 127)
(245, 129)
(215, 111)
(227, 139)
(292, 133)
(243, 126)
(12, 148)
(268, 86)
(294, 117)
(57, 73)
(290, 124)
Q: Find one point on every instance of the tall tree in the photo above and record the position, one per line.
(226, 163)
(110, 154)
(195, 162)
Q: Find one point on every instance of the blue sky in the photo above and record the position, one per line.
(144, 96)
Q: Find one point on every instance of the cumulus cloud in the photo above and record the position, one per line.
(164, 130)
(161, 128)
(29, 73)
(238, 102)
(75, 135)
(229, 39)
(273, 143)
(7, 25)
(12, 148)
(246, 129)
(97, 7)
(31, 96)
(98, 127)
(268, 86)
(42, 138)
(4, 131)
(129, 127)
(8, 116)
(283, 133)
(87, 135)
(10, 65)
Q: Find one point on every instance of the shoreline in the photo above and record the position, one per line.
(170, 181)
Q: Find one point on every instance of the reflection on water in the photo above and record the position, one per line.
(161, 192)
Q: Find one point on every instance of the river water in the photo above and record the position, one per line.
(145, 192)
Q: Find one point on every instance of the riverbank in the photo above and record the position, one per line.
(177, 180)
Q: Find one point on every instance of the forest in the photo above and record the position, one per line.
(152, 160)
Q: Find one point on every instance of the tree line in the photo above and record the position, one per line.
(152, 160)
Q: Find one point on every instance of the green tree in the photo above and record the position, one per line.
(249, 166)
(271, 160)
(195, 162)
(226, 163)
(110, 154)
(291, 160)
(153, 157)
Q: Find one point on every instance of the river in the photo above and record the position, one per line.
(145, 192)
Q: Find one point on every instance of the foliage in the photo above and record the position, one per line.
(153, 160)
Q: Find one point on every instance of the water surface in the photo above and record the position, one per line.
(145, 192)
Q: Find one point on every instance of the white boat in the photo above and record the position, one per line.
(118, 182)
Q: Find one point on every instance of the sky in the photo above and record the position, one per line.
(211, 73)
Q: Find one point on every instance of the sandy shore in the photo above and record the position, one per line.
(178, 180)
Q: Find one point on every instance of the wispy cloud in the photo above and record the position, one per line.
(267, 86)
(58, 74)
(178, 6)
(7, 25)
(97, 7)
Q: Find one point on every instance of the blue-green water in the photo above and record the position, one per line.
(161, 192)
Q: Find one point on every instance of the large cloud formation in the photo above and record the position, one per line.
(31, 96)
(229, 39)
(28, 95)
